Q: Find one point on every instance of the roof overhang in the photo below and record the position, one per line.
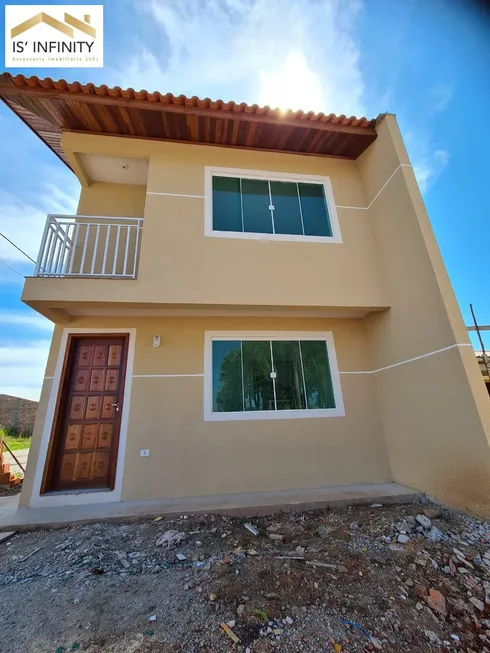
(50, 107)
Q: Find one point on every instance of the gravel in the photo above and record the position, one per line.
(336, 580)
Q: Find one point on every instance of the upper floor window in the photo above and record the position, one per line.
(279, 206)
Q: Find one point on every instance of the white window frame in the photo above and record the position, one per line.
(327, 336)
(264, 175)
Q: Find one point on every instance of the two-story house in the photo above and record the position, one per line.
(249, 307)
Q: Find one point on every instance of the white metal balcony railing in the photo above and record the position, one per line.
(89, 246)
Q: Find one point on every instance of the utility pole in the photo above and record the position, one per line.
(484, 354)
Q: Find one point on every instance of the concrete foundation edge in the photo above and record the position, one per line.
(246, 505)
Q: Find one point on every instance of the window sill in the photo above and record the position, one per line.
(274, 414)
(274, 237)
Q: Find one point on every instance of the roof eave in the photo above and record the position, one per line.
(20, 94)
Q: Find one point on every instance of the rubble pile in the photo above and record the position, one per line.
(373, 578)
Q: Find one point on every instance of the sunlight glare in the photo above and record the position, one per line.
(292, 86)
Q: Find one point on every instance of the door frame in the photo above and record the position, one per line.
(53, 460)
(77, 497)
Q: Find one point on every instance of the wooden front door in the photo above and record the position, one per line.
(86, 436)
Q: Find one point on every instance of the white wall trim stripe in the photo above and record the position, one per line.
(338, 206)
(409, 360)
(381, 369)
(152, 192)
(355, 208)
(164, 376)
(365, 208)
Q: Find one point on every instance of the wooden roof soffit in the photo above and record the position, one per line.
(49, 107)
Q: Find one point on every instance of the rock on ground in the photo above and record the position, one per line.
(94, 588)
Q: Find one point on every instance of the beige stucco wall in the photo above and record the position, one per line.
(178, 264)
(435, 411)
(424, 422)
(104, 250)
(433, 429)
(191, 457)
(112, 200)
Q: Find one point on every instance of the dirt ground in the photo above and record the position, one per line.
(7, 491)
(411, 578)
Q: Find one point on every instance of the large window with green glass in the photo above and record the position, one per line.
(271, 375)
(260, 206)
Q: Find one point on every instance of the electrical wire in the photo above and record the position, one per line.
(8, 266)
(18, 248)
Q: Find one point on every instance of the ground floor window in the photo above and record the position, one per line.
(260, 375)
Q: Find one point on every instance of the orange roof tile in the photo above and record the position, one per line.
(49, 106)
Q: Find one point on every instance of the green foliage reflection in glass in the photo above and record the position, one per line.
(318, 378)
(227, 376)
(290, 387)
(242, 375)
(258, 387)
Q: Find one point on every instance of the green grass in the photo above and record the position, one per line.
(16, 443)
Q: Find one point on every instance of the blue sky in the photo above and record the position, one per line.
(425, 61)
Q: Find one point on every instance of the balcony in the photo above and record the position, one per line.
(92, 266)
(90, 247)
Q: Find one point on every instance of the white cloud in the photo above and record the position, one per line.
(428, 161)
(25, 319)
(269, 52)
(439, 97)
(22, 367)
(301, 55)
(21, 391)
(285, 87)
(442, 157)
(428, 168)
(22, 218)
(23, 224)
(24, 342)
